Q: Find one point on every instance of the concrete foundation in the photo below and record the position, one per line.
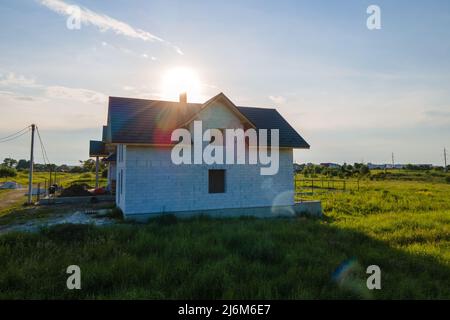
(308, 208)
(73, 200)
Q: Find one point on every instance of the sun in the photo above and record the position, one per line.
(181, 79)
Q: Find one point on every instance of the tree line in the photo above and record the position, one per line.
(344, 171)
(9, 167)
(356, 170)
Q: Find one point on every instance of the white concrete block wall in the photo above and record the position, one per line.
(154, 184)
(121, 179)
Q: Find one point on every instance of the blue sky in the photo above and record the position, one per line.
(354, 94)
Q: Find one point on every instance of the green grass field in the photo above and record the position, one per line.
(400, 224)
(62, 178)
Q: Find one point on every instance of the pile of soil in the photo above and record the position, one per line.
(76, 190)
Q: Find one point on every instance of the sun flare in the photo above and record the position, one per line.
(179, 80)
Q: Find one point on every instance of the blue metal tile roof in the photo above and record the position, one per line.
(143, 121)
(264, 118)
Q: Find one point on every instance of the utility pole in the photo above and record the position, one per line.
(393, 163)
(50, 175)
(30, 176)
(445, 160)
(96, 172)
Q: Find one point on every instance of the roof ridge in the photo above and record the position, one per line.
(165, 101)
(263, 108)
(198, 103)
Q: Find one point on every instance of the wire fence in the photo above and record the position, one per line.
(310, 186)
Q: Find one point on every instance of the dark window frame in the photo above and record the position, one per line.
(216, 181)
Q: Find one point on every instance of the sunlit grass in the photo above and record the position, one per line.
(401, 226)
(62, 178)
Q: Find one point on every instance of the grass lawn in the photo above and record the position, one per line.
(402, 226)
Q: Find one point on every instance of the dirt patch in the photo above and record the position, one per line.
(99, 218)
(11, 197)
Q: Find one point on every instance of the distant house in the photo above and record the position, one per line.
(298, 167)
(395, 166)
(137, 146)
(373, 166)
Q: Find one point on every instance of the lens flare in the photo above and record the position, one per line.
(346, 277)
(179, 80)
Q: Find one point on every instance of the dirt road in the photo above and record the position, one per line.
(11, 197)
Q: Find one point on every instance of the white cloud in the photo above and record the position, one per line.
(105, 23)
(146, 56)
(79, 94)
(24, 100)
(438, 113)
(19, 97)
(13, 80)
(127, 51)
(142, 92)
(278, 99)
(129, 88)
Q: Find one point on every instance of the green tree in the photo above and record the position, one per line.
(63, 168)
(364, 170)
(23, 164)
(9, 162)
(88, 165)
(77, 169)
(7, 172)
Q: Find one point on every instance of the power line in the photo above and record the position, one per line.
(41, 145)
(13, 138)
(44, 151)
(26, 129)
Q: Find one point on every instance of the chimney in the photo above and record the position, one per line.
(183, 97)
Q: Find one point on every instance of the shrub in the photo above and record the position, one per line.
(76, 169)
(7, 172)
(447, 179)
